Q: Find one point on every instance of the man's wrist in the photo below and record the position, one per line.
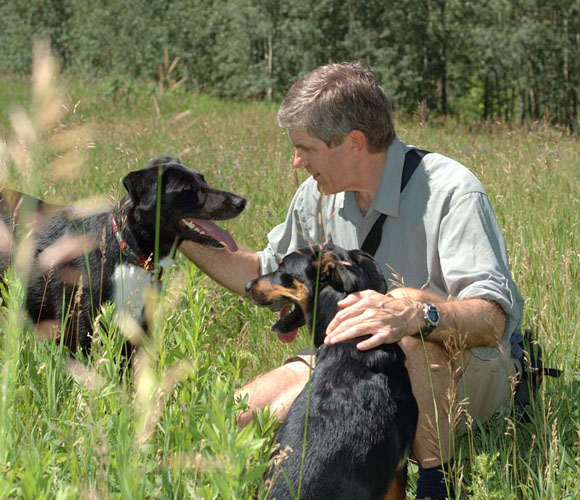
(430, 318)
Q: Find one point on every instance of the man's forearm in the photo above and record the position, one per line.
(230, 269)
(467, 323)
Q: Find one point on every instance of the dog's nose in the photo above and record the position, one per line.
(239, 203)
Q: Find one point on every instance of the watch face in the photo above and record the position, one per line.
(433, 315)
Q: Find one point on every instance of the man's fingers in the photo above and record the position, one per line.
(350, 299)
(354, 306)
(351, 329)
(341, 326)
(364, 313)
(354, 315)
(374, 341)
(342, 316)
(364, 294)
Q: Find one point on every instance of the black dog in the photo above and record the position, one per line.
(82, 260)
(360, 411)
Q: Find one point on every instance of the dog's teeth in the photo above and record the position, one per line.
(194, 227)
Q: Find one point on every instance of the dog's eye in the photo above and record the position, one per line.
(187, 187)
(286, 280)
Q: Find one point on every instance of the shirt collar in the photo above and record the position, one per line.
(386, 200)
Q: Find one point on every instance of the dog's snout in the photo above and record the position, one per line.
(239, 203)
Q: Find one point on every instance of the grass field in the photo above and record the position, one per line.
(80, 432)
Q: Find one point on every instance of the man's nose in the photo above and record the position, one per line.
(299, 161)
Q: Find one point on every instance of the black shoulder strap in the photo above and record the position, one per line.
(373, 239)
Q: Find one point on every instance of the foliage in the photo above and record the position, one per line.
(503, 60)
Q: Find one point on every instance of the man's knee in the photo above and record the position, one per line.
(277, 389)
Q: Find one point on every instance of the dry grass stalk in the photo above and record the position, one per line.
(195, 461)
(65, 249)
(85, 375)
(151, 396)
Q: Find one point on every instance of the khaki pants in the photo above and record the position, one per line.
(486, 386)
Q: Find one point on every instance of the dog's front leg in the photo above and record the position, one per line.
(398, 486)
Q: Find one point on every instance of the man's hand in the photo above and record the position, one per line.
(386, 317)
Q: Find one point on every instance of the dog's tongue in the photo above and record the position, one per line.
(291, 335)
(217, 233)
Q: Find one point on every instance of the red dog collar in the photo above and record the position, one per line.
(132, 256)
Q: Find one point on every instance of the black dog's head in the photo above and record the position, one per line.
(332, 271)
(188, 204)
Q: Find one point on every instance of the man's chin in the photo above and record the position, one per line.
(325, 190)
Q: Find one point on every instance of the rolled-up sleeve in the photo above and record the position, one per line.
(474, 260)
(293, 233)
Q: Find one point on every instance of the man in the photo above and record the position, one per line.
(441, 251)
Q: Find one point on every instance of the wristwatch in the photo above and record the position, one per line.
(431, 316)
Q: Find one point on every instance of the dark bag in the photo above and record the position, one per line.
(531, 375)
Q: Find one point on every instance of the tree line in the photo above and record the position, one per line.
(508, 60)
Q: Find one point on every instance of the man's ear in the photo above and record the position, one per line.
(358, 140)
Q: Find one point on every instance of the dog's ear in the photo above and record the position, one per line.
(142, 186)
(164, 160)
(336, 270)
(371, 271)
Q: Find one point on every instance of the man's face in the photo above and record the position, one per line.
(330, 167)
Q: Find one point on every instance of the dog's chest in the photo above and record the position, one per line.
(130, 287)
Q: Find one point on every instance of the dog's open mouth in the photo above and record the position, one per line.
(291, 318)
(207, 233)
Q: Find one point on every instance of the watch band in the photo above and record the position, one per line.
(431, 317)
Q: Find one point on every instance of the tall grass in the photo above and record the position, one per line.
(81, 431)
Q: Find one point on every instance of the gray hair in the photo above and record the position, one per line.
(332, 100)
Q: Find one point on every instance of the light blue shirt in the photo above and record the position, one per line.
(440, 235)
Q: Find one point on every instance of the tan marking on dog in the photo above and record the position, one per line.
(264, 292)
(301, 294)
(397, 488)
(327, 262)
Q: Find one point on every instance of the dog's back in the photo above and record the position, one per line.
(17, 209)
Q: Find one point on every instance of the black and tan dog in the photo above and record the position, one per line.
(360, 412)
(80, 261)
